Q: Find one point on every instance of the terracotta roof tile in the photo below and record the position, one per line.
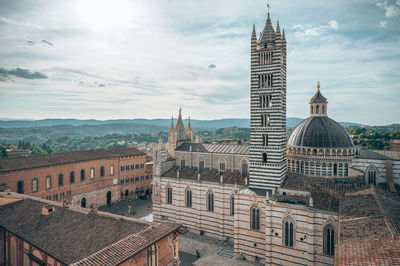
(21, 163)
(72, 236)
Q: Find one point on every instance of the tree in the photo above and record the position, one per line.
(4, 153)
(37, 150)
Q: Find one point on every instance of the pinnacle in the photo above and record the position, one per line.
(278, 30)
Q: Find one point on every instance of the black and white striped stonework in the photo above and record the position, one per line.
(268, 109)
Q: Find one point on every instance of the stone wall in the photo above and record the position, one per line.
(218, 224)
(364, 164)
(212, 160)
(98, 197)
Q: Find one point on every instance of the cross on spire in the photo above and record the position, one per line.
(268, 5)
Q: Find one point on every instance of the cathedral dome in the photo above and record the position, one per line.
(320, 132)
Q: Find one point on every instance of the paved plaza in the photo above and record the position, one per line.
(138, 208)
(212, 251)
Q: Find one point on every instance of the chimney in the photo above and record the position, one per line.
(65, 204)
(93, 208)
(46, 210)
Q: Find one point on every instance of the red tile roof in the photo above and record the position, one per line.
(22, 163)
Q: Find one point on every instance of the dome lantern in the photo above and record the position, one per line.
(318, 104)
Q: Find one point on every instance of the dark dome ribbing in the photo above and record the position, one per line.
(320, 132)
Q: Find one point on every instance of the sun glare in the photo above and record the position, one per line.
(105, 14)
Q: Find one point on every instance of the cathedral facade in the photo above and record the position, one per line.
(272, 209)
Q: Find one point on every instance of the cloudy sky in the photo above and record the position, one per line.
(114, 59)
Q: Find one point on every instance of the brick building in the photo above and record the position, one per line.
(34, 231)
(80, 177)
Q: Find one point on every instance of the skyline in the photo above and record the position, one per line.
(97, 60)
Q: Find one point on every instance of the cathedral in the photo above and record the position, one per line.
(313, 198)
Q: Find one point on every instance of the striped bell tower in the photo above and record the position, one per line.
(268, 108)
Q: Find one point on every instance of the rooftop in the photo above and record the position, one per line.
(317, 98)
(308, 183)
(79, 237)
(211, 175)
(215, 148)
(320, 132)
(379, 154)
(377, 252)
(22, 163)
(369, 223)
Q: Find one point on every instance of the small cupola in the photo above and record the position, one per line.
(318, 104)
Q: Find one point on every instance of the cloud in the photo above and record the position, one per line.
(391, 10)
(29, 42)
(383, 24)
(48, 42)
(334, 24)
(32, 43)
(308, 30)
(22, 73)
(212, 66)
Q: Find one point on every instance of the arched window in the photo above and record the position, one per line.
(60, 180)
(102, 171)
(83, 202)
(109, 197)
(152, 256)
(35, 185)
(82, 174)
(48, 182)
(323, 109)
(20, 187)
(264, 157)
(112, 170)
(168, 191)
(210, 201)
(335, 170)
(92, 173)
(232, 205)
(317, 109)
(329, 240)
(182, 163)
(72, 177)
(265, 140)
(255, 217)
(222, 166)
(244, 169)
(288, 232)
(371, 174)
(201, 165)
(346, 169)
(312, 109)
(188, 197)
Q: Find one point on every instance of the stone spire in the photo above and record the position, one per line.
(189, 126)
(180, 129)
(254, 39)
(278, 36)
(189, 131)
(171, 128)
(267, 37)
